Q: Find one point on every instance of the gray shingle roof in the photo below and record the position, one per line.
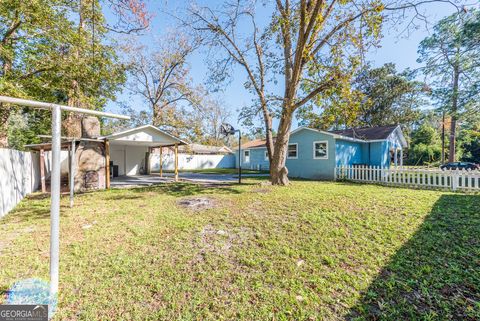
(367, 133)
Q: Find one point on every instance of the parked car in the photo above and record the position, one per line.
(460, 165)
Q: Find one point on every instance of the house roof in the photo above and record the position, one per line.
(367, 133)
(257, 143)
(146, 135)
(363, 134)
(204, 149)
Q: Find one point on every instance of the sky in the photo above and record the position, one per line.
(395, 46)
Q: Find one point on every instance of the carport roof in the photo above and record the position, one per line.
(146, 135)
(65, 143)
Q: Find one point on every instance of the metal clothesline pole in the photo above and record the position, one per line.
(55, 174)
(55, 201)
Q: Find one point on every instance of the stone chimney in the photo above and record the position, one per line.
(72, 126)
(90, 127)
(90, 156)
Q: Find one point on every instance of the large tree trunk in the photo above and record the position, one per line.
(453, 123)
(156, 113)
(278, 170)
(72, 123)
(268, 130)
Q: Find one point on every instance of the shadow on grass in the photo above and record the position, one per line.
(29, 213)
(3, 292)
(436, 274)
(122, 197)
(189, 189)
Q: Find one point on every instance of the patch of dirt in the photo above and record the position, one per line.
(197, 203)
(218, 242)
(261, 190)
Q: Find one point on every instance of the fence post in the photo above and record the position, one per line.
(454, 178)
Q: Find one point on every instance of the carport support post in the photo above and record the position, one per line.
(55, 202)
(161, 163)
(42, 170)
(107, 163)
(176, 162)
(149, 161)
(72, 172)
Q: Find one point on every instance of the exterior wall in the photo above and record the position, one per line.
(144, 134)
(117, 156)
(305, 166)
(130, 159)
(349, 153)
(188, 161)
(379, 154)
(63, 162)
(19, 176)
(340, 152)
(257, 159)
(135, 160)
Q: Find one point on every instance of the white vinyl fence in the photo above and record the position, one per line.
(19, 176)
(402, 176)
(187, 161)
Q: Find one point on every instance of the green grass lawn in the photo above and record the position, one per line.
(220, 171)
(310, 251)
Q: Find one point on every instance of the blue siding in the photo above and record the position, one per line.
(349, 153)
(379, 154)
(305, 166)
(340, 152)
(257, 159)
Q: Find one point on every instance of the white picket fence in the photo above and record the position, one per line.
(402, 176)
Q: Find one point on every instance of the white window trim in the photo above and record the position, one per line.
(245, 156)
(296, 148)
(265, 156)
(320, 141)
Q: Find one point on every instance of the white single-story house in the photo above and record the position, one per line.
(130, 149)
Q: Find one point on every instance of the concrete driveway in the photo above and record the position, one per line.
(147, 180)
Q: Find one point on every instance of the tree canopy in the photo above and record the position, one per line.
(56, 51)
(382, 95)
(452, 60)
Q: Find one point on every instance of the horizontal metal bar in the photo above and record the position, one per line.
(69, 139)
(43, 105)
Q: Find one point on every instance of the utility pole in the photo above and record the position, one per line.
(443, 136)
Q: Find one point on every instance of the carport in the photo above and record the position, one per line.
(129, 151)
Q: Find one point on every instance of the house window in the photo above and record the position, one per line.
(266, 155)
(320, 150)
(246, 156)
(292, 151)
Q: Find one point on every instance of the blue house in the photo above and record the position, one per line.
(314, 153)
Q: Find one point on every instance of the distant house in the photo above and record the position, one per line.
(315, 153)
(198, 149)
